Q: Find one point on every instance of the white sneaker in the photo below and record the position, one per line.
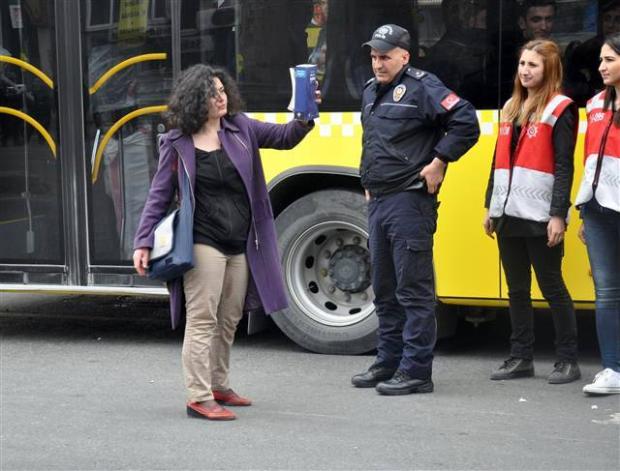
(605, 382)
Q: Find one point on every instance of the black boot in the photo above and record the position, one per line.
(401, 383)
(374, 375)
(564, 371)
(514, 368)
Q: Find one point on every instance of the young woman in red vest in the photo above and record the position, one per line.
(528, 197)
(599, 202)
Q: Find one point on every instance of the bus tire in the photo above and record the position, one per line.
(323, 237)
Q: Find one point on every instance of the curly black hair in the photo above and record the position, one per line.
(188, 107)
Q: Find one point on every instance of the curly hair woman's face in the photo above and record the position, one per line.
(218, 105)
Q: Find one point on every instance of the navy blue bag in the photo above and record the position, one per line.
(173, 239)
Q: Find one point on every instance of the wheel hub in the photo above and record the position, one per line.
(349, 269)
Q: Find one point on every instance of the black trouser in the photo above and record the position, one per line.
(518, 255)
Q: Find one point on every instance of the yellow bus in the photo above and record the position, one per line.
(82, 86)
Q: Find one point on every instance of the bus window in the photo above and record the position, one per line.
(350, 24)
(458, 43)
(128, 74)
(30, 171)
(274, 35)
(272, 38)
(595, 21)
(570, 23)
(208, 33)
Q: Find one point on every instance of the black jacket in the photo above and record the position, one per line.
(408, 123)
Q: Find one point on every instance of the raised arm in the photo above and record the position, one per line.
(280, 136)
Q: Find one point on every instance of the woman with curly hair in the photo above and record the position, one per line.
(236, 262)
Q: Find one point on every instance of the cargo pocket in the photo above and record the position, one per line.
(419, 267)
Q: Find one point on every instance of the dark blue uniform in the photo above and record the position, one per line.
(406, 125)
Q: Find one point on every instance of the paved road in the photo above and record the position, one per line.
(101, 388)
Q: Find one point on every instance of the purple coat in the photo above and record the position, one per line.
(241, 138)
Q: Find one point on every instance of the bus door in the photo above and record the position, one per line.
(127, 72)
(32, 236)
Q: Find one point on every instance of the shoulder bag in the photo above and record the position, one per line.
(173, 240)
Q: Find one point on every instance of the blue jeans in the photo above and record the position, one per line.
(401, 252)
(602, 230)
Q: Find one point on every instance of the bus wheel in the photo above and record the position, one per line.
(324, 241)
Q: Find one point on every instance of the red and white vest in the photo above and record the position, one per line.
(608, 186)
(523, 188)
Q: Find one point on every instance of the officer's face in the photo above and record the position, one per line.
(387, 65)
(538, 22)
(610, 66)
(531, 70)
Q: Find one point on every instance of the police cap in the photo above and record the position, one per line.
(387, 37)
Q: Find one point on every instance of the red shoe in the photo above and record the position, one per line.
(231, 398)
(204, 410)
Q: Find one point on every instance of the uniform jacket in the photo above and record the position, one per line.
(602, 154)
(241, 138)
(523, 180)
(408, 123)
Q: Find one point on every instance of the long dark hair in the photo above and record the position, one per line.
(188, 104)
(613, 41)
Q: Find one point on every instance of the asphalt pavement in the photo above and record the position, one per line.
(96, 384)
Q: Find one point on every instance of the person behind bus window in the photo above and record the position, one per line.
(413, 126)
(528, 198)
(599, 201)
(536, 19)
(582, 60)
(236, 259)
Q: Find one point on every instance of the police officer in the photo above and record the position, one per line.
(413, 128)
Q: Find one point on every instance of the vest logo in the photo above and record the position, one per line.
(504, 130)
(532, 131)
(596, 117)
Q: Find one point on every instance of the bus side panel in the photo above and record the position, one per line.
(466, 260)
(335, 141)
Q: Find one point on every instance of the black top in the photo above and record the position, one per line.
(564, 147)
(408, 123)
(222, 216)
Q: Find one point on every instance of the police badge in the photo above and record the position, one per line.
(399, 92)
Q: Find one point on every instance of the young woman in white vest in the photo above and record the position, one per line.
(528, 197)
(599, 202)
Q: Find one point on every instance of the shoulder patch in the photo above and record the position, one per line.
(415, 73)
(449, 101)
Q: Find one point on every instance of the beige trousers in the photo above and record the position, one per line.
(215, 291)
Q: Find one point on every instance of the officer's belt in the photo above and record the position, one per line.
(417, 185)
